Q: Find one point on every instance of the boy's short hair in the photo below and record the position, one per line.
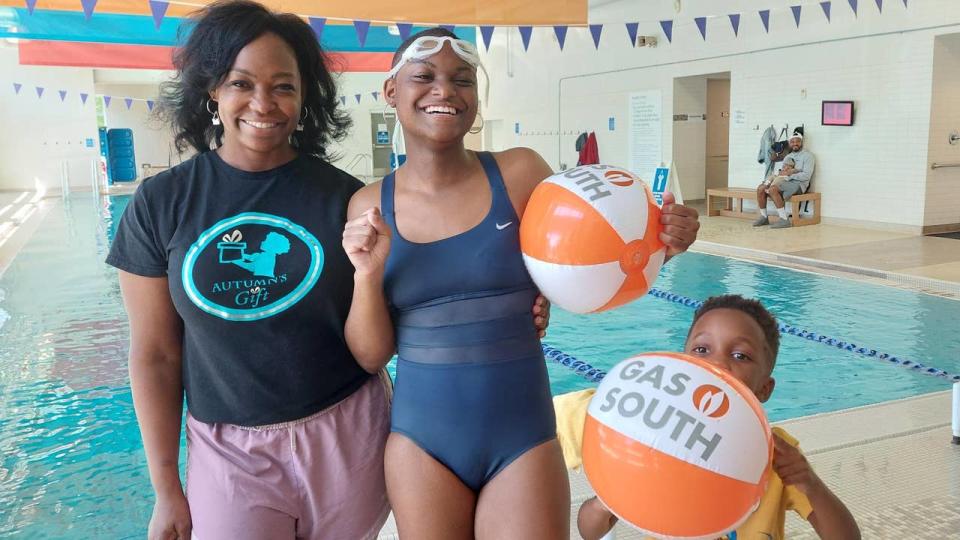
(754, 309)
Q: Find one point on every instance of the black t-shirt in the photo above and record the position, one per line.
(257, 273)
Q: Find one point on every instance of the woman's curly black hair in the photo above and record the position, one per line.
(217, 33)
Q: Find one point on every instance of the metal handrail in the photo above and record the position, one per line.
(943, 165)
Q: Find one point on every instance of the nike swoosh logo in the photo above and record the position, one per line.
(504, 226)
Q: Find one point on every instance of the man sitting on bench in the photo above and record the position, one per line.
(791, 179)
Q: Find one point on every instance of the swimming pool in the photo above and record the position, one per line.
(71, 463)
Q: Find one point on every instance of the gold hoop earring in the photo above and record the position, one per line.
(476, 130)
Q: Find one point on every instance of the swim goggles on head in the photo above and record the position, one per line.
(427, 46)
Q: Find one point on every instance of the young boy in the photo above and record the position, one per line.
(740, 336)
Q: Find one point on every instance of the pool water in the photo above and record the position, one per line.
(71, 460)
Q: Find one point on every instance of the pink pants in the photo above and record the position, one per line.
(317, 477)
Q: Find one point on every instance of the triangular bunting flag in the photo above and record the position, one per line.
(317, 23)
(450, 27)
(735, 23)
(904, 3)
(880, 5)
(149, 105)
(667, 27)
(525, 32)
(376, 95)
(702, 26)
(357, 96)
(632, 33)
(88, 6)
(362, 28)
(765, 18)
(826, 9)
(106, 101)
(486, 32)
(63, 95)
(83, 98)
(595, 30)
(30, 5)
(129, 102)
(343, 100)
(796, 14)
(404, 29)
(159, 11)
(561, 33)
(853, 5)
(16, 88)
(39, 92)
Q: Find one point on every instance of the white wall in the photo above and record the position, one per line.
(884, 62)
(358, 141)
(40, 135)
(942, 206)
(152, 141)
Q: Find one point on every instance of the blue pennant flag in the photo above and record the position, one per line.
(765, 18)
(83, 98)
(16, 88)
(106, 101)
(362, 28)
(487, 33)
(904, 3)
(853, 5)
(129, 102)
(376, 95)
(88, 6)
(595, 30)
(880, 5)
(149, 105)
(404, 29)
(358, 97)
(632, 33)
(63, 95)
(702, 26)
(796, 14)
(39, 92)
(317, 23)
(30, 5)
(159, 11)
(561, 33)
(826, 9)
(735, 23)
(525, 32)
(343, 100)
(667, 27)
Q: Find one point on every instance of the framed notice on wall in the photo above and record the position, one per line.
(836, 113)
(645, 132)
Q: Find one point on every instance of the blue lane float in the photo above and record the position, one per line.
(579, 367)
(826, 340)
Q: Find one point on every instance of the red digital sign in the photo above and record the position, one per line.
(837, 113)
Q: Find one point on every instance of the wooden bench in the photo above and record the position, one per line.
(733, 205)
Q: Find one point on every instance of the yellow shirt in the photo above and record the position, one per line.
(764, 524)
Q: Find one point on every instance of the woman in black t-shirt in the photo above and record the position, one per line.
(237, 291)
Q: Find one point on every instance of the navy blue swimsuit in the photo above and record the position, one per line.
(472, 388)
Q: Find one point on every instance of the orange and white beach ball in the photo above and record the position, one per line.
(590, 238)
(676, 447)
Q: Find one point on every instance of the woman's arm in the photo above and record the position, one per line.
(366, 239)
(155, 378)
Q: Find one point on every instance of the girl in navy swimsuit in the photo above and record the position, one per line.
(440, 280)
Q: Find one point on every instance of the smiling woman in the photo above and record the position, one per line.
(237, 295)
